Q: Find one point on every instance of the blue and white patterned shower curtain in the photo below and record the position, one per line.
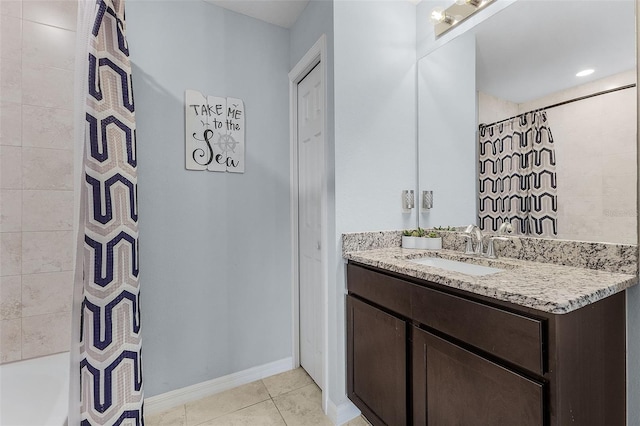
(110, 343)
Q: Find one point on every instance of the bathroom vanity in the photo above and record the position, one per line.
(535, 344)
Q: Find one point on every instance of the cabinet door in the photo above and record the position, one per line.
(376, 363)
(452, 386)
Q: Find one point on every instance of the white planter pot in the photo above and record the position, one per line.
(410, 242)
(421, 243)
(430, 243)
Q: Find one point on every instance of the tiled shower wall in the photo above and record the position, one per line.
(37, 48)
(597, 164)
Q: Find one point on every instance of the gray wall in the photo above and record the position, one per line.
(214, 247)
(315, 20)
(375, 133)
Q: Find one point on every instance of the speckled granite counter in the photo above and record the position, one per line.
(547, 287)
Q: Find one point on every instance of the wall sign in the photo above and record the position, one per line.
(214, 133)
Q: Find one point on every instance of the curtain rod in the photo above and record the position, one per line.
(604, 92)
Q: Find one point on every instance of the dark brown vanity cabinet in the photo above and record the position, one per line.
(379, 379)
(419, 353)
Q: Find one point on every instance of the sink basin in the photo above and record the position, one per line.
(455, 266)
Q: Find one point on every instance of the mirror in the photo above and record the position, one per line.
(525, 58)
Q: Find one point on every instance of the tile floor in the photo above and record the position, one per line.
(287, 399)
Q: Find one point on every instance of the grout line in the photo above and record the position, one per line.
(275, 405)
(279, 412)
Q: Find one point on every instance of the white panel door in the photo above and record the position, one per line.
(310, 175)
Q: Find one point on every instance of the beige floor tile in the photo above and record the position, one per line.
(287, 381)
(225, 403)
(358, 421)
(261, 414)
(302, 407)
(173, 417)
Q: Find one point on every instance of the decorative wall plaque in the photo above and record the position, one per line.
(214, 133)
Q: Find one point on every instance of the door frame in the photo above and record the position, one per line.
(316, 55)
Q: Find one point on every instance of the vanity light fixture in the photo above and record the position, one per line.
(445, 19)
(439, 15)
(585, 73)
(474, 3)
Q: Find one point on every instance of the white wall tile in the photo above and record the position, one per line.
(46, 334)
(10, 210)
(47, 45)
(586, 228)
(10, 123)
(622, 184)
(10, 253)
(10, 167)
(47, 210)
(10, 340)
(11, 79)
(47, 293)
(41, 35)
(47, 127)
(618, 164)
(11, 8)
(47, 169)
(589, 205)
(51, 12)
(10, 297)
(47, 86)
(47, 251)
(624, 230)
(10, 36)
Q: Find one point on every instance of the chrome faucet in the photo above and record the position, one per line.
(505, 228)
(471, 231)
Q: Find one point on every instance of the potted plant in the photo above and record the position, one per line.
(432, 241)
(421, 239)
(410, 238)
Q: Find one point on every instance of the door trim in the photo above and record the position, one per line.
(317, 55)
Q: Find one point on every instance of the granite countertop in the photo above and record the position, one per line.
(547, 287)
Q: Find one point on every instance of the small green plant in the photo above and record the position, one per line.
(420, 232)
(414, 232)
(442, 228)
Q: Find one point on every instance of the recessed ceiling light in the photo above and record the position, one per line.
(584, 73)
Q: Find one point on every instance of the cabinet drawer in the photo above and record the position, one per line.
(452, 386)
(388, 292)
(512, 337)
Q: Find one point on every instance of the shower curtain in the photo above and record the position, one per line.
(517, 176)
(106, 381)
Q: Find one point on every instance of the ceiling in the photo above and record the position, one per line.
(282, 13)
(527, 50)
(535, 47)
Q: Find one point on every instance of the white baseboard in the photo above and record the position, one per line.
(341, 414)
(159, 403)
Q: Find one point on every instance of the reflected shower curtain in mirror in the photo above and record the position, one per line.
(106, 348)
(517, 176)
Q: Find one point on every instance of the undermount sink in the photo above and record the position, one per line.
(456, 266)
